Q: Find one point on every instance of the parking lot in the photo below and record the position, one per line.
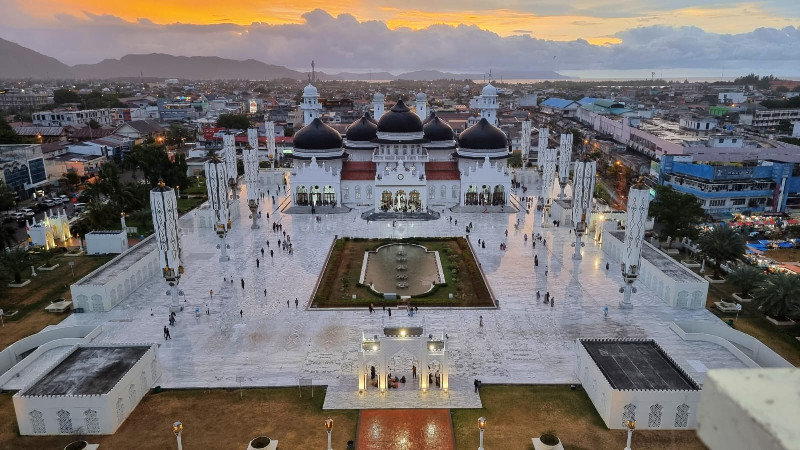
(39, 212)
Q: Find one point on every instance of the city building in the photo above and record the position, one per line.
(139, 130)
(768, 118)
(554, 105)
(728, 98)
(67, 117)
(16, 100)
(42, 134)
(22, 168)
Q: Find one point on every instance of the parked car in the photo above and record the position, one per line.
(18, 216)
(58, 200)
(79, 206)
(44, 204)
(28, 212)
(64, 198)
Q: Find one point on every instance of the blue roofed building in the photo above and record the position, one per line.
(559, 106)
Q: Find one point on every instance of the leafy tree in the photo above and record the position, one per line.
(15, 260)
(721, 244)
(154, 162)
(61, 96)
(177, 135)
(7, 196)
(746, 278)
(93, 124)
(73, 179)
(676, 213)
(7, 134)
(8, 236)
(779, 295)
(46, 256)
(233, 121)
(515, 160)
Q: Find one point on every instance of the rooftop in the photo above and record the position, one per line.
(88, 371)
(667, 265)
(120, 263)
(637, 364)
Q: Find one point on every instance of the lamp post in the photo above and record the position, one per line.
(481, 427)
(630, 424)
(177, 428)
(328, 428)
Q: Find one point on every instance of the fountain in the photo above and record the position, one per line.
(405, 269)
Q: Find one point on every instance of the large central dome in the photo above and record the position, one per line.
(317, 136)
(399, 119)
(482, 136)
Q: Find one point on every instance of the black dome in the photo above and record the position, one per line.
(482, 136)
(317, 136)
(399, 119)
(370, 118)
(362, 129)
(437, 130)
(429, 118)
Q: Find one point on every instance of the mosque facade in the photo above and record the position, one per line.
(400, 159)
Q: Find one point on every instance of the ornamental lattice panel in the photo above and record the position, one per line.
(628, 413)
(682, 416)
(37, 422)
(64, 422)
(120, 410)
(92, 422)
(654, 418)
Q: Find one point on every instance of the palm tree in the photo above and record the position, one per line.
(46, 256)
(779, 295)
(722, 244)
(15, 260)
(746, 278)
(8, 236)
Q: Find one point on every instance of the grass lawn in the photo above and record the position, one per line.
(342, 272)
(187, 204)
(212, 420)
(515, 414)
(31, 300)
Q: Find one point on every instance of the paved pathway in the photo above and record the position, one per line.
(403, 429)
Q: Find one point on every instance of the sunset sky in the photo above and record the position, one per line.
(87, 31)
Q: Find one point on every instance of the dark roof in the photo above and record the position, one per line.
(40, 130)
(317, 136)
(638, 364)
(482, 136)
(429, 118)
(437, 130)
(362, 129)
(144, 126)
(399, 119)
(91, 133)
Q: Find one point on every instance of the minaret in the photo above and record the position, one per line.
(250, 159)
(377, 105)
(525, 140)
(564, 159)
(164, 208)
(422, 106)
(269, 128)
(547, 161)
(638, 207)
(489, 105)
(311, 107)
(229, 146)
(217, 188)
(582, 192)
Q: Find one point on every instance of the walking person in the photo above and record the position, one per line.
(211, 294)
(257, 263)
(242, 283)
(265, 292)
(552, 301)
(390, 312)
(480, 322)
(166, 333)
(296, 302)
(606, 266)
(262, 249)
(413, 371)
(287, 303)
(241, 313)
(270, 254)
(605, 311)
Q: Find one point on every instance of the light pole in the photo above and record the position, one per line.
(482, 427)
(630, 424)
(328, 428)
(177, 428)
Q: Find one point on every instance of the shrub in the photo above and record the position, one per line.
(549, 438)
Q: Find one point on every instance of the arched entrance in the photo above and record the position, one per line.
(414, 203)
(472, 195)
(499, 195)
(400, 200)
(316, 196)
(301, 198)
(403, 352)
(329, 196)
(484, 195)
(386, 200)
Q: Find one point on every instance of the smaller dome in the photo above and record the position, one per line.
(317, 136)
(489, 90)
(399, 119)
(482, 136)
(370, 118)
(378, 97)
(429, 118)
(362, 129)
(310, 91)
(421, 97)
(437, 130)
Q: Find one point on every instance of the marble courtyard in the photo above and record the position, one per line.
(270, 344)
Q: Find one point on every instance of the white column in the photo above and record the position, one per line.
(164, 209)
(564, 157)
(638, 206)
(582, 194)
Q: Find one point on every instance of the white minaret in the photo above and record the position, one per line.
(250, 160)
(269, 128)
(377, 105)
(164, 209)
(547, 161)
(422, 106)
(229, 147)
(638, 207)
(582, 192)
(564, 159)
(311, 107)
(488, 104)
(217, 188)
(525, 139)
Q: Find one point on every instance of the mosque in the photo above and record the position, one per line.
(400, 160)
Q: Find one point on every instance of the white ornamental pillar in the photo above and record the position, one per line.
(229, 147)
(525, 141)
(250, 159)
(547, 160)
(564, 159)
(582, 193)
(272, 151)
(217, 188)
(164, 209)
(638, 207)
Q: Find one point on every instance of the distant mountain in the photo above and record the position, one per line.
(424, 75)
(21, 62)
(354, 76)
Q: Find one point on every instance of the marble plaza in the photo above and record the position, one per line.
(270, 344)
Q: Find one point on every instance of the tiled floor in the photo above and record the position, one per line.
(404, 429)
(270, 344)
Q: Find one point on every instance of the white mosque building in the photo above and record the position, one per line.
(397, 161)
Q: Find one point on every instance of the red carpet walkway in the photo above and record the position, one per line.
(405, 429)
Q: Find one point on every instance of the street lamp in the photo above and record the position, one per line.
(328, 428)
(482, 427)
(630, 424)
(177, 428)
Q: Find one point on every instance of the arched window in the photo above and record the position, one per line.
(64, 422)
(455, 192)
(120, 410)
(92, 422)
(153, 370)
(132, 394)
(654, 419)
(682, 416)
(443, 191)
(37, 422)
(346, 192)
(358, 192)
(369, 192)
(628, 413)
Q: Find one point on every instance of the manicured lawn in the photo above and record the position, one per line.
(31, 300)
(187, 204)
(342, 272)
(515, 414)
(212, 419)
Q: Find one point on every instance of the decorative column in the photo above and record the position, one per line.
(638, 206)
(564, 157)
(547, 159)
(250, 159)
(582, 192)
(217, 187)
(272, 151)
(229, 147)
(525, 141)
(164, 208)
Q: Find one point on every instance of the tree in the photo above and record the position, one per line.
(15, 260)
(7, 196)
(177, 135)
(779, 295)
(46, 256)
(73, 179)
(61, 96)
(515, 160)
(676, 213)
(746, 278)
(721, 244)
(93, 124)
(7, 134)
(233, 121)
(8, 236)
